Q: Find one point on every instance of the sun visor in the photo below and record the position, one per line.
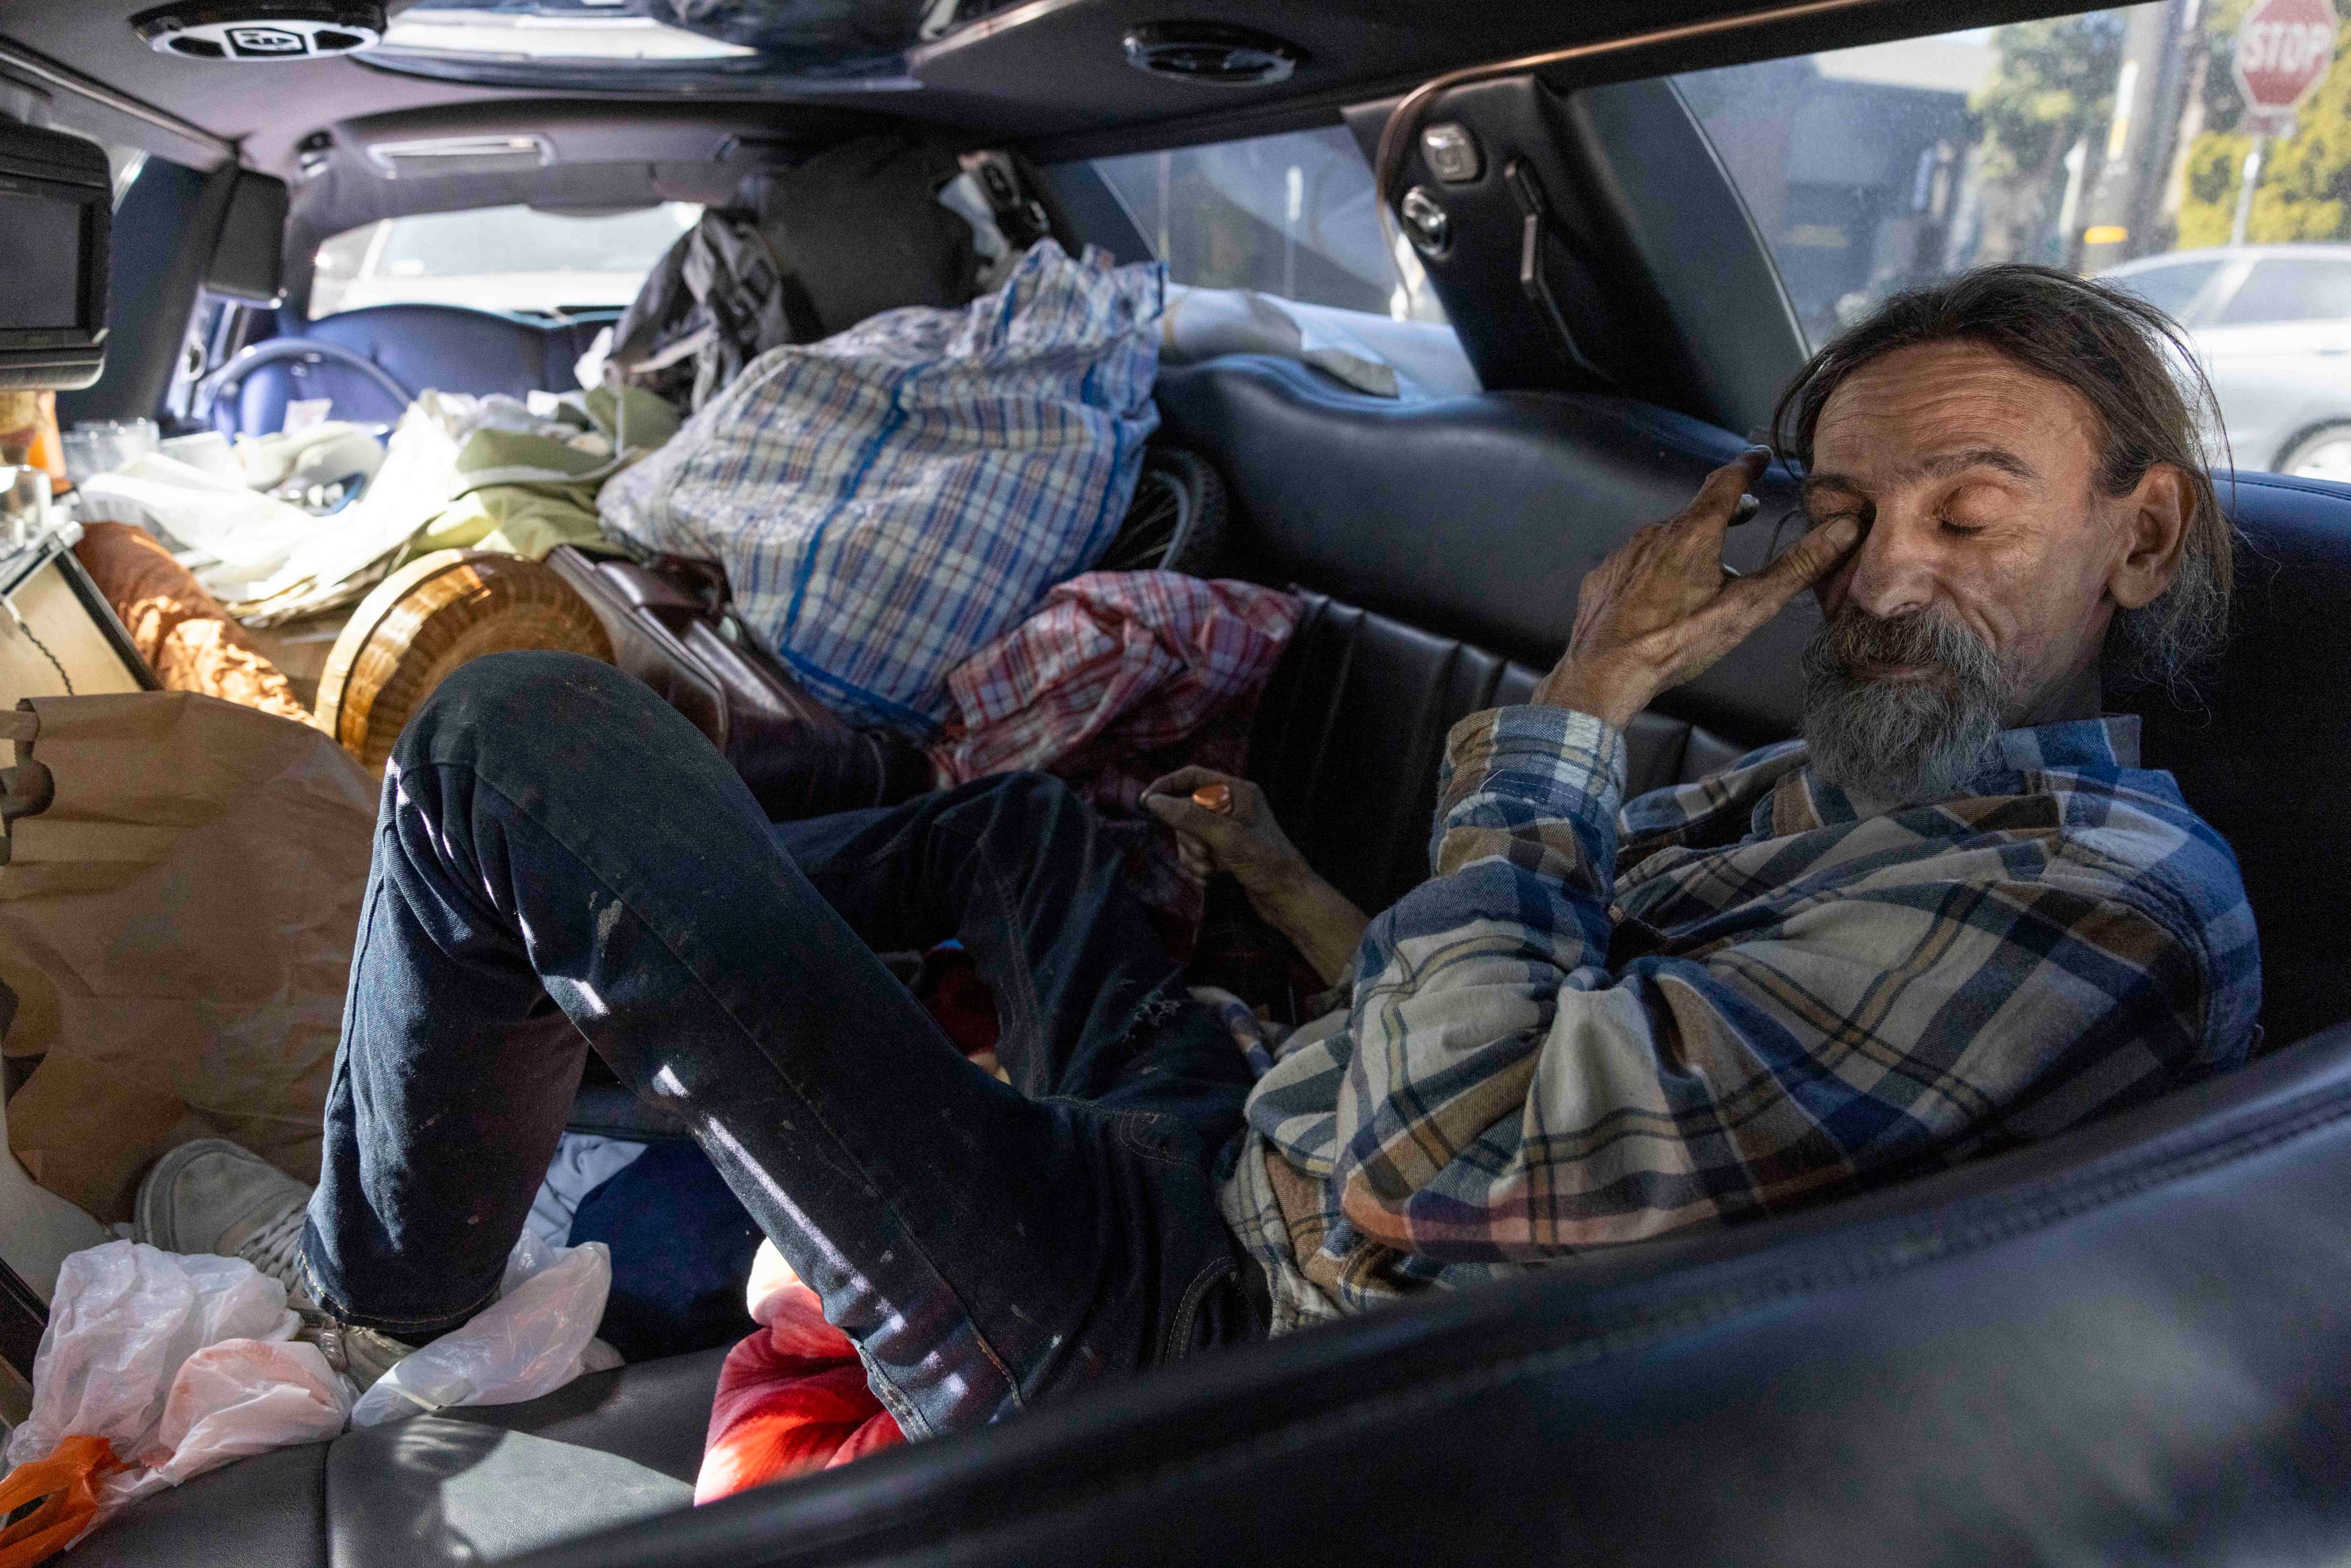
(248, 261)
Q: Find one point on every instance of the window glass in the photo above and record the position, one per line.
(497, 258)
(2097, 142)
(1290, 214)
(2169, 287)
(2291, 288)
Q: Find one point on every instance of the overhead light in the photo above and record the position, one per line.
(1212, 52)
(261, 30)
(521, 35)
(462, 155)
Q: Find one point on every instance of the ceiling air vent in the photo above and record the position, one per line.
(461, 155)
(1211, 52)
(261, 30)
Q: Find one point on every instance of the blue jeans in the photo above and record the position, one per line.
(563, 862)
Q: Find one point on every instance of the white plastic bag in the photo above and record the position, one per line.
(533, 1339)
(181, 1363)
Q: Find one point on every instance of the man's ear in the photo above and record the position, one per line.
(2154, 517)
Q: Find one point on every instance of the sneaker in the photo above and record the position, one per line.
(210, 1195)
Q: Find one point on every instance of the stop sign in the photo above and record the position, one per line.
(2282, 52)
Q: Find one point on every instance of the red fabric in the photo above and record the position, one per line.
(1120, 677)
(1111, 665)
(791, 1398)
(958, 1000)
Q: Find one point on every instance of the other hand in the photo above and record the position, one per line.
(1661, 609)
(1245, 840)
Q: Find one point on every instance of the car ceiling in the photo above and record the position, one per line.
(1050, 74)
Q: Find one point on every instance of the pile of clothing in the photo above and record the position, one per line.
(492, 473)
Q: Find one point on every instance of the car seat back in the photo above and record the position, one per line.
(446, 348)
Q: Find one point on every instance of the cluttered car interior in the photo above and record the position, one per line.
(1021, 780)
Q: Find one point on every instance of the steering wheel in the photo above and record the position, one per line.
(311, 351)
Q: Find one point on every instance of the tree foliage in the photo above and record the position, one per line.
(2305, 185)
(2054, 84)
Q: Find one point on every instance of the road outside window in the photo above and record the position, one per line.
(2196, 151)
(1292, 215)
(497, 258)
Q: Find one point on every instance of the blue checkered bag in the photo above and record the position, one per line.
(891, 498)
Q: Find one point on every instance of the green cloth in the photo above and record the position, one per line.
(522, 493)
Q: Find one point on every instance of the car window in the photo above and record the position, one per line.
(2086, 142)
(2172, 288)
(2291, 288)
(497, 258)
(1291, 215)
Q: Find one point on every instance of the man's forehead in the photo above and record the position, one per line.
(1914, 410)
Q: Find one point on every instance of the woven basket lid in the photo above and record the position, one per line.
(431, 616)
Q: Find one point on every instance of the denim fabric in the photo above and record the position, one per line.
(561, 855)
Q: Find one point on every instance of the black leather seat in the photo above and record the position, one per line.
(476, 1485)
(2124, 1345)
(446, 348)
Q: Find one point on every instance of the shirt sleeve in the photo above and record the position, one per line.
(1510, 1097)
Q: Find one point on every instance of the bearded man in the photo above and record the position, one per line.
(1956, 913)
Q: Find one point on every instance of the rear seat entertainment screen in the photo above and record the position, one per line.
(40, 262)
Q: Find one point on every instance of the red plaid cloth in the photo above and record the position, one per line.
(1117, 678)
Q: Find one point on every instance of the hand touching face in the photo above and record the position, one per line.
(1660, 610)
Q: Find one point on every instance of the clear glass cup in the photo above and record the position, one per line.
(24, 506)
(101, 445)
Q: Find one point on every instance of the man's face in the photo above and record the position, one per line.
(1988, 570)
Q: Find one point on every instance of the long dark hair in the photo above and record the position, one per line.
(2128, 361)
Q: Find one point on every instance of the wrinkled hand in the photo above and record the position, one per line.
(1660, 610)
(1246, 841)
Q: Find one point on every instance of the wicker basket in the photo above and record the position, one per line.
(426, 619)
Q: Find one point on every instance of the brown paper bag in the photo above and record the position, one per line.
(178, 927)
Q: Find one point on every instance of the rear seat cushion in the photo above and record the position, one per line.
(1353, 726)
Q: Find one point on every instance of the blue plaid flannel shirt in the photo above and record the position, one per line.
(1777, 996)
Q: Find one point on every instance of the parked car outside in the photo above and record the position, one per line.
(2272, 326)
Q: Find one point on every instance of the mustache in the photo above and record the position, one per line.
(1854, 641)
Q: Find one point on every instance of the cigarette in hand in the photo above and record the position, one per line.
(1216, 797)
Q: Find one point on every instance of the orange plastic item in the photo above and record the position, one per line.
(48, 446)
(68, 1479)
(1216, 797)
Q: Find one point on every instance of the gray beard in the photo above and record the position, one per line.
(1891, 744)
